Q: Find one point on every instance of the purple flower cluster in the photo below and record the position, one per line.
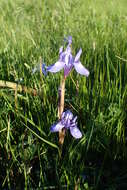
(67, 121)
(67, 62)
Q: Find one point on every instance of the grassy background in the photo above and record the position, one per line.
(29, 153)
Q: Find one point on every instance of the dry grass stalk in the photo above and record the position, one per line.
(18, 87)
(61, 109)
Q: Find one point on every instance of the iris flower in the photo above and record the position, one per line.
(67, 62)
(67, 121)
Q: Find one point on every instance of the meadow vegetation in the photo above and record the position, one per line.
(29, 152)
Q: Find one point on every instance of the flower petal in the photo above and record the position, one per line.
(44, 69)
(81, 69)
(61, 50)
(56, 67)
(74, 120)
(56, 127)
(69, 39)
(77, 57)
(75, 132)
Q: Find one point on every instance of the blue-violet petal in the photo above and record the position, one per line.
(77, 57)
(81, 69)
(56, 67)
(75, 132)
(56, 127)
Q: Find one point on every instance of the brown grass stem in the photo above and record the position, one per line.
(61, 109)
(18, 87)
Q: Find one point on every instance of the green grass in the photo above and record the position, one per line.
(29, 153)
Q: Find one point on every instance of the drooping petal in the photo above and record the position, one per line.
(75, 132)
(56, 127)
(81, 69)
(56, 67)
(77, 57)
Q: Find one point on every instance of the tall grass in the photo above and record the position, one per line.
(29, 153)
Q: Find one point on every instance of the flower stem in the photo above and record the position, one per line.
(61, 109)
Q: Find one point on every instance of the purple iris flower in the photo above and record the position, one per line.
(67, 61)
(67, 121)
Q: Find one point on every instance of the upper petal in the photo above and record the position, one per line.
(56, 127)
(77, 57)
(56, 67)
(69, 39)
(81, 69)
(61, 50)
(74, 120)
(75, 132)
